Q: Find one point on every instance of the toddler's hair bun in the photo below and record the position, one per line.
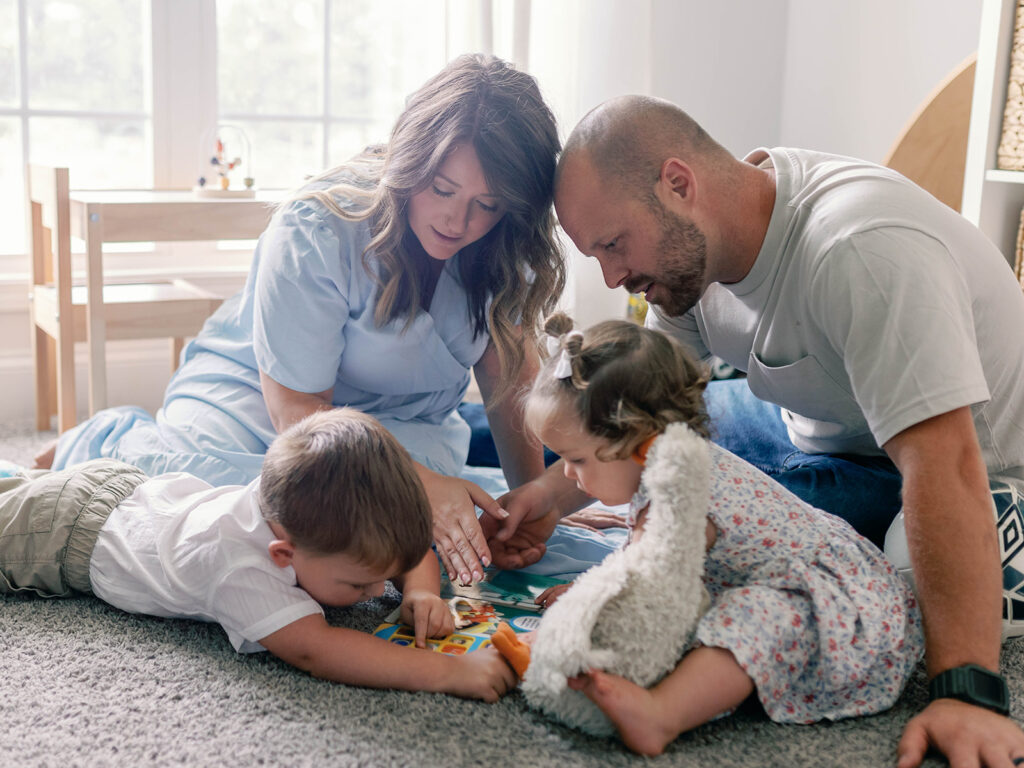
(557, 324)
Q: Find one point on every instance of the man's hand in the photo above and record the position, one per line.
(427, 614)
(533, 509)
(969, 736)
(525, 546)
(517, 540)
(954, 548)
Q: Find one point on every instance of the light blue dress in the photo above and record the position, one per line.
(305, 317)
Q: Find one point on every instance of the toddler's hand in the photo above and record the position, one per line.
(427, 614)
(548, 597)
(482, 674)
(593, 520)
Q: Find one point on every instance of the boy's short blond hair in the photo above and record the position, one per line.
(338, 482)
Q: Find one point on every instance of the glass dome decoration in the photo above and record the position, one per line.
(225, 155)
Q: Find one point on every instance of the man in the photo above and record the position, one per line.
(876, 329)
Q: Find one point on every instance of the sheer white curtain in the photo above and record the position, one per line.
(583, 52)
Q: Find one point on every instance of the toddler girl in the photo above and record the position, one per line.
(803, 611)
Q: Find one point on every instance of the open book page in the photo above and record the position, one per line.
(478, 609)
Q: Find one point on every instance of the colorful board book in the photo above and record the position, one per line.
(501, 596)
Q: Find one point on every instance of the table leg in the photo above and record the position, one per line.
(95, 320)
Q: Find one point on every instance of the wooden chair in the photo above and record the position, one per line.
(63, 314)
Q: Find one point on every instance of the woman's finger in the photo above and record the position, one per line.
(441, 547)
(459, 553)
(485, 501)
(475, 537)
(471, 569)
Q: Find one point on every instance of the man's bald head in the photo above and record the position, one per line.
(627, 139)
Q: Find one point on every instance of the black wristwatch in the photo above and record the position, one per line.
(973, 684)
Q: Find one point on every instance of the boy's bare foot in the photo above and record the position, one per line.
(631, 709)
(44, 459)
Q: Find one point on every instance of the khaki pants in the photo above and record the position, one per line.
(49, 522)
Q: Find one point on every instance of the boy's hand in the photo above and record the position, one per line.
(427, 614)
(482, 674)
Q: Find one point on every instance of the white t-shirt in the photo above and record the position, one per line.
(870, 308)
(180, 548)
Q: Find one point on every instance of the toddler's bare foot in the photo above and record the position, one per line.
(44, 459)
(631, 709)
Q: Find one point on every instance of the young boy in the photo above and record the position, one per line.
(337, 511)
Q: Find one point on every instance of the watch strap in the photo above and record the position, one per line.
(974, 685)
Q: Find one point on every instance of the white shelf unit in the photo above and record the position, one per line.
(992, 199)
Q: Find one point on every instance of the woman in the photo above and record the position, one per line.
(378, 287)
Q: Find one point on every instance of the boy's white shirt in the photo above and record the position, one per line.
(180, 548)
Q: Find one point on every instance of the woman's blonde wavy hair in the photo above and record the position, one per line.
(627, 383)
(480, 100)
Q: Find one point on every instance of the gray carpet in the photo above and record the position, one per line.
(85, 685)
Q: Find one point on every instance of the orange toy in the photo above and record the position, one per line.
(515, 651)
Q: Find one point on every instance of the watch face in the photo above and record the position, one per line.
(985, 687)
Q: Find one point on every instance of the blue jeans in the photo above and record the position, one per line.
(482, 450)
(863, 490)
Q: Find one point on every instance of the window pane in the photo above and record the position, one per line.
(99, 153)
(12, 188)
(270, 56)
(374, 66)
(87, 54)
(284, 153)
(352, 137)
(8, 53)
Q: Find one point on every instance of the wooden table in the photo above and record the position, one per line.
(119, 216)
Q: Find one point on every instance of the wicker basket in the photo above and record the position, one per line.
(1010, 155)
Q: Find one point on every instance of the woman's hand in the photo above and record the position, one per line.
(457, 534)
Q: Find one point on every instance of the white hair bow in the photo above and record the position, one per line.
(563, 368)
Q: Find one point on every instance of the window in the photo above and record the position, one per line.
(123, 92)
(313, 82)
(68, 95)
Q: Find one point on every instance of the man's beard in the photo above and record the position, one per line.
(682, 254)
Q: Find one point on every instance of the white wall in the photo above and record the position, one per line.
(584, 52)
(855, 72)
(723, 63)
(834, 75)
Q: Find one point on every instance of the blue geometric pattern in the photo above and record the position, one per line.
(1010, 523)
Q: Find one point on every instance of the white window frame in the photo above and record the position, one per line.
(181, 103)
(181, 70)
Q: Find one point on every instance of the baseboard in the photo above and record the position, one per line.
(137, 370)
(137, 374)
